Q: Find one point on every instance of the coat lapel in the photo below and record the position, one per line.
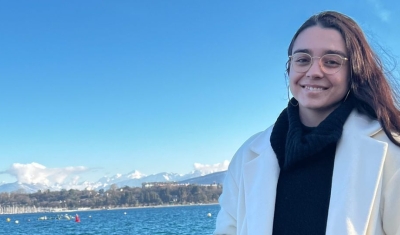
(356, 177)
(260, 179)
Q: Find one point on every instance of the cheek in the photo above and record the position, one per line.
(293, 79)
(341, 87)
(343, 83)
(344, 79)
(292, 84)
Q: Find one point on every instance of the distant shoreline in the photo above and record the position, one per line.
(58, 210)
(145, 207)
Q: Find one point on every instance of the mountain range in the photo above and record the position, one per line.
(132, 179)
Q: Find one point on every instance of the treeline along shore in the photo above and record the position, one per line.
(150, 194)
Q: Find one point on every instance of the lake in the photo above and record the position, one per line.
(190, 220)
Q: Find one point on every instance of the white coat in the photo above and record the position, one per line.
(365, 194)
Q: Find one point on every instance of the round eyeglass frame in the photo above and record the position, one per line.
(323, 69)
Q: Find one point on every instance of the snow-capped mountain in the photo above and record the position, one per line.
(135, 179)
(132, 179)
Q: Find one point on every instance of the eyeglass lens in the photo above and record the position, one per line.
(329, 63)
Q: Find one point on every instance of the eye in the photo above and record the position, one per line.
(301, 59)
(332, 60)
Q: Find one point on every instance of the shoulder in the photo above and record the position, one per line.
(391, 166)
(250, 149)
(363, 124)
(392, 159)
(360, 124)
(375, 131)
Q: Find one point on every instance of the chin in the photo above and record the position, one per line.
(322, 106)
(311, 103)
(314, 107)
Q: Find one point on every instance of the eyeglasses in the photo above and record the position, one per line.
(329, 63)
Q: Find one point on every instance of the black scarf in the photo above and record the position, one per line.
(306, 158)
(290, 142)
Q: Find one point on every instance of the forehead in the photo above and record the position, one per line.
(318, 41)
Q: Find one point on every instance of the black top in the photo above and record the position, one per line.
(306, 158)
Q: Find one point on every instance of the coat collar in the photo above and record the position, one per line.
(358, 165)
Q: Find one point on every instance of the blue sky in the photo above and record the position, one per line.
(153, 86)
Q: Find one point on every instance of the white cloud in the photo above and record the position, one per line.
(36, 173)
(212, 168)
(380, 11)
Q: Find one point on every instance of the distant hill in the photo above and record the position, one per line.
(21, 187)
(217, 177)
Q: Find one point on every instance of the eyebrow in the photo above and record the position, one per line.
(325, 52)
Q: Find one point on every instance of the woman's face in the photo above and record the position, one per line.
(317, 92)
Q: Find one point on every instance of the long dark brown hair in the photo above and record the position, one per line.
(369, 85)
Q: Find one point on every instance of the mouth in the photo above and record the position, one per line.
(314, 88)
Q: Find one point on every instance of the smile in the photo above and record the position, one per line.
(314, 88)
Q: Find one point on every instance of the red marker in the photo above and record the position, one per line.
(77, 219)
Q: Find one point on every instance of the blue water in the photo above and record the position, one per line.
(191, 220)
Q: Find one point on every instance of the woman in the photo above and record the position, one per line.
(331, 162)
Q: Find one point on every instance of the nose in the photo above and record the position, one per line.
(315, 70)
